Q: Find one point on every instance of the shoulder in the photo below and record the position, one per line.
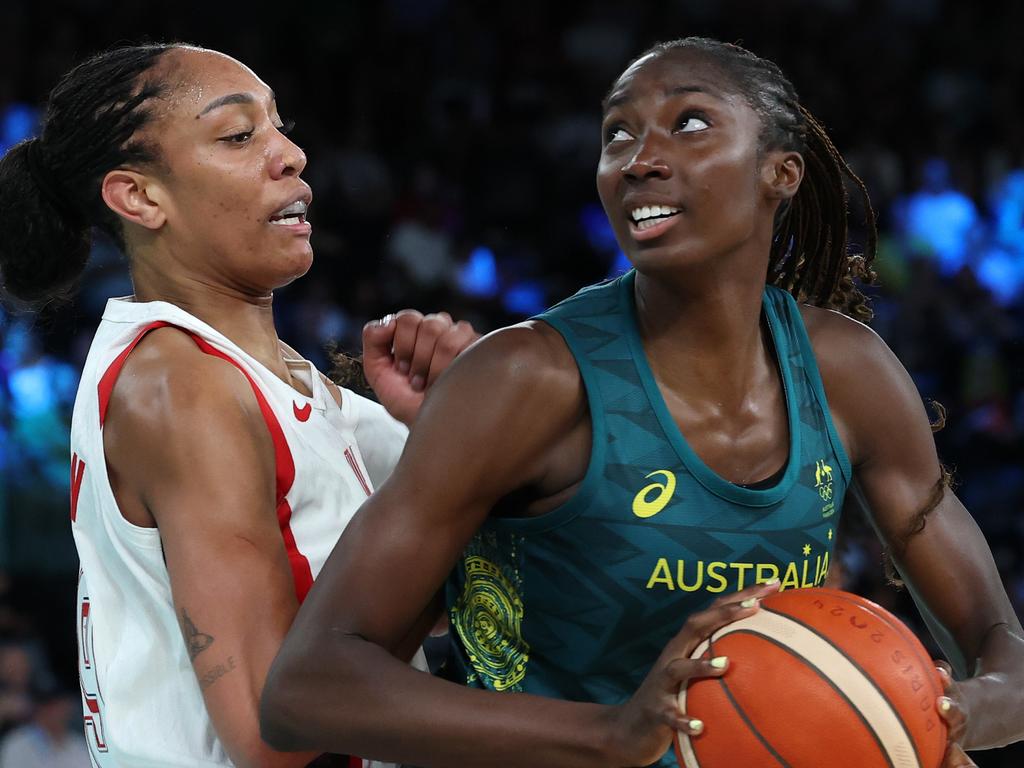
(168, 378)
(530, 356)
(504, 383)
(177, 413)
(870, 393)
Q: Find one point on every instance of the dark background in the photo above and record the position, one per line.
(452, 148)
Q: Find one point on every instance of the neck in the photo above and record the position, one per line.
(243, 316)
(702, 332)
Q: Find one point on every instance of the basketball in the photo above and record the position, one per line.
(816, 677)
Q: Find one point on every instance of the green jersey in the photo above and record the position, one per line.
(578, 603)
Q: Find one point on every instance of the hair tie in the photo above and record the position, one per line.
(44, 179)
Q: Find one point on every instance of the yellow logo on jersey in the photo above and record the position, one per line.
(644, 507)
(823, 480)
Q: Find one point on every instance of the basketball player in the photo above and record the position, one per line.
(212, 468)
(591, 478)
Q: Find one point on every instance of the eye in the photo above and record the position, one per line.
(285, 127)
(692, 124)
(238, 138)
(616, 133)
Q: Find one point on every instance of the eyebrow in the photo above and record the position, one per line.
(232, 98)
(623, 97)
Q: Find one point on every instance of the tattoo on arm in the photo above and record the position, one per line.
(196, 641)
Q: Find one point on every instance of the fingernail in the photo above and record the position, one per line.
(403, 367)
(945, 703)
(772, 581)
(417, 383)
(720, 662)
(386, 320)
(696, 726)
(750, 602)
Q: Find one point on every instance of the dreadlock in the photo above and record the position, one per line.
(809, 255)
(50, 186)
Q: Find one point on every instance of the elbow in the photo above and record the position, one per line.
(283, 705)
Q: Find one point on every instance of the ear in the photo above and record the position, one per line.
(135, 197)
(782, 173)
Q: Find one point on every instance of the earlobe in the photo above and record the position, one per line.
(133, 197)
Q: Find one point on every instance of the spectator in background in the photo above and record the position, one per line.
(15, 686)
(52, 739)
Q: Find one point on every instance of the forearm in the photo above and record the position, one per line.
(995, 694)
(358, 698)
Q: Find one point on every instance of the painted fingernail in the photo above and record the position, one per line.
(417, 383)
(720, 662)
(772, 581)
(403, 367)
(945, 703)
(750, 602)
(386, 320)
(696, 726)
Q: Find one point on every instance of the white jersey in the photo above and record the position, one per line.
(141, 699)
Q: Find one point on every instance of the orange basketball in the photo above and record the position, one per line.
(817, 677)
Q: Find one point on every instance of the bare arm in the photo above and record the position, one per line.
(187, 446)
(336, 684)
(946, 564)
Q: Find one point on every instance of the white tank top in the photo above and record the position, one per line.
(141, 699)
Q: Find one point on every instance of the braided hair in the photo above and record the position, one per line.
(809, 254)
(50, 186)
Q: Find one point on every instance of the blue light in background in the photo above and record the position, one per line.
(479, 275)
(17, 123)
(597, 228)
(525, 298)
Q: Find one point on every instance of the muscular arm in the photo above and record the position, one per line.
(187, 448)
(398, 551)
(947, 564)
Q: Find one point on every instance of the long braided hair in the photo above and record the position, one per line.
(809, 254)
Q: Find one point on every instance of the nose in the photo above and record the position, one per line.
(647, 162)
(288, 159)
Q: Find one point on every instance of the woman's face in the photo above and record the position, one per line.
(679, 175)
(229, 184)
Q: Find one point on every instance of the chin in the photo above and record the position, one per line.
(296, 265)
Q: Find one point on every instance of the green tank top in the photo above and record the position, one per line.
(578, 603)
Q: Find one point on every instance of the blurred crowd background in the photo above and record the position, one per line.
(452, 147)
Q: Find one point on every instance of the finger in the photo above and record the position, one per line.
(432, 328)
(449, 346)
(678, 672)
(957, 758)
(754, 591)
(956, 719)
(945, 675)
(378, 336)
(677, 721)
(700, 626)
(407, 324)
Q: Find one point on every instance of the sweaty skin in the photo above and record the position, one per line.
(676, 135)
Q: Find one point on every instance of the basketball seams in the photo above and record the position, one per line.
(893, 622)
(753, 729)
(828, 681)
(859, 668)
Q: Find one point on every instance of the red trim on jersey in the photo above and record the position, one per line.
(284, 464)
(352, 462)
(106, 386)
(77, 475)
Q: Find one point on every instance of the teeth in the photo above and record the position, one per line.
(652, 211)
(298, 208)
(287, 221)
